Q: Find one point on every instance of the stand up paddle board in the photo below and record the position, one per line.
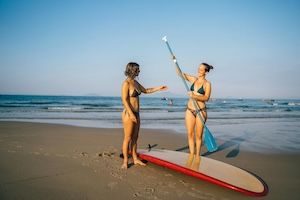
(207, 169)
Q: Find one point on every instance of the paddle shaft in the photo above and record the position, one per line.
(208, 137)
(185, 84)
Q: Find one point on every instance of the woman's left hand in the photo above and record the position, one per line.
(191, 94)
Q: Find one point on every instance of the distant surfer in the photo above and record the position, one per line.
(131, 89)
(200, 91)
(170, 102)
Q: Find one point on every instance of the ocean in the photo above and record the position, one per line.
(256, 124)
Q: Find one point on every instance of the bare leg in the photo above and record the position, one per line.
(190, 125)
(196, 163)
(128, 130)
(189, 160)
(135, 136)
(199, 134)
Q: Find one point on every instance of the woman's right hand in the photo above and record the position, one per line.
(133, 118)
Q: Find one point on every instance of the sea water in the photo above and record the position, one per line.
(256, 124)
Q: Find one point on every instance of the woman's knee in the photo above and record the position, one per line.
(199, 135)
(127, 138)
(190, 134)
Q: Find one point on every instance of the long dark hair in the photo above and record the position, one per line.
(132, 69)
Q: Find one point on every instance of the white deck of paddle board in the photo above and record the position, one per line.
(209, 167)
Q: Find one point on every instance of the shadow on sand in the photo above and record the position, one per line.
(234, 142)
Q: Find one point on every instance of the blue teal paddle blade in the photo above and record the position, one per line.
(209, 140)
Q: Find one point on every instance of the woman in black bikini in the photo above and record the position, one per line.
(200, 92)
(131, 89)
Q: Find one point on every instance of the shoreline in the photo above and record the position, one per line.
(70, 162)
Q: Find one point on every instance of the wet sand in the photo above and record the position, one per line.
(48, 161)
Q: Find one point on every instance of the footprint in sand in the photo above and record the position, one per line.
(137, 194)
(84, 154)
(147, 193)
(106, 154)
(149, 190)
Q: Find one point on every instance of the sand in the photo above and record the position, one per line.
(49, 161)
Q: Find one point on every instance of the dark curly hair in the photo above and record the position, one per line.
(132, 70)
(207, 67)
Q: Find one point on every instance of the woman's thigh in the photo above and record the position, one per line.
(199, 124)
(190, 121)
(128, 124)
(136, 128)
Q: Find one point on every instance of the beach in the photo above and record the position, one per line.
(50, 161)
(70, 70)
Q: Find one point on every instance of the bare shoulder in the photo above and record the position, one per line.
(207, 82)
(192, 78)
(125, 83)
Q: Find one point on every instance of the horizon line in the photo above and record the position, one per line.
(153, 96)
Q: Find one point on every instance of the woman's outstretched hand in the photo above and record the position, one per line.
(162, 88)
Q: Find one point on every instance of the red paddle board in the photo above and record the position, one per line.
(208, 169)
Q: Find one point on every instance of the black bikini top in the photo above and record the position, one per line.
(136, 92)
(200, 90)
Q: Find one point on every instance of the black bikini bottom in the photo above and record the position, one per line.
(137, 114)
(195, 112)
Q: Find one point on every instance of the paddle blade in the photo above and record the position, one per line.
(209, 141)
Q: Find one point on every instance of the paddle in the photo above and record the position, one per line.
(208, 137)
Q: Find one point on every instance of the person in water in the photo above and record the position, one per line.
(200, 92)
(131, 89)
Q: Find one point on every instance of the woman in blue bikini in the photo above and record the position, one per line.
(131, 89)
(200, 92)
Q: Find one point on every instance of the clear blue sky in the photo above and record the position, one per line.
(69, 47)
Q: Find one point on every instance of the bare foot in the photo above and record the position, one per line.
(138, 162)
(124, 166)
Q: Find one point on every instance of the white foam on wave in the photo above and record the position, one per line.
(65, 108)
